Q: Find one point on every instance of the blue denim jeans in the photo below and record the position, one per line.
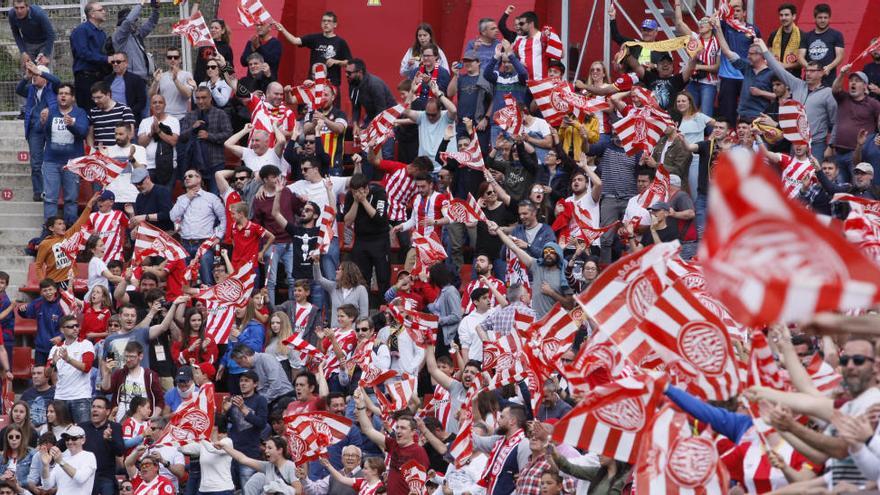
(316, 294)
(54, 180)
(206, 268)
(242, 473)
(329, 263)
(844, 165)
(704, 96)
(105, 486)
(700, 205)
(36, 144)
(80, 409)
(282, 252)
(818, 148)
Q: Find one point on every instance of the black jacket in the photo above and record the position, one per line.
(135, 94)
(105, 450)
(372, 95)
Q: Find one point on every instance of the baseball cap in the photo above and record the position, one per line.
(674, 180)
(107, 195)
(659, 205)
(470, 55)
(138, 175)
(73, 431)
(864, 168)
(184, 374)
(861, 75)
(650, 24)
(207, 369)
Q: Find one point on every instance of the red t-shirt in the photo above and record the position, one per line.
(397, 457)
(362, 488)
(174, 282)
(230, 197)
(245, 243)
(94, 320)
(159, 486)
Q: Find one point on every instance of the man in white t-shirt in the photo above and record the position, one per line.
(635, 210)
(175, 84)
(471, 344)
(259, 154)
(73, 361)
(150, 132)
(126, 152)
(432, 123)
(74, 469)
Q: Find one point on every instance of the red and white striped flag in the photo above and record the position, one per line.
(674, 460)
(693, 343)
(508, 117)
(309, 434)
(74, 244)
(196, 31)
(471, 156)
(551, 336)
(659, 190)
(502, 353)
(421, 327)
(462, 211)
(222, 299)
(252, 12)
(429, 251)
(381, 127)
(192, 270)
(475, 205)
(516, 273)
(768, 259)
(415, 476)
(622, 295)
(327, 226)
(641, 129)
(873, 47)
(596, 363)
(553, 48)
(462, 448)
(397, 394)
(150, 240)
(862, 225)
(824, 376)
(610, 419)
(192, 421)
(313, 93)
(793, 122)
(556, 99)
(307, 352)
(96, 168)
(794, 172)
(727, 14)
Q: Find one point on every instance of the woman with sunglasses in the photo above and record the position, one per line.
(704, 83)
(498, 212)
(17, 455)
(221, 35)
(214, 80)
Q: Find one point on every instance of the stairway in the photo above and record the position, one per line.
(20, 218)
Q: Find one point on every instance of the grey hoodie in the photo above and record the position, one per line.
(129, 39)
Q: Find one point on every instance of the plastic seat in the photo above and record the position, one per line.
(25, 326)
(32, 285)
(22, 362)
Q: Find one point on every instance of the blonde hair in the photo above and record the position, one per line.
(285, 332)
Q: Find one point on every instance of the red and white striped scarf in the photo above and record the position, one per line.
(110, 227)
(537, 50)
(500, 452)
(400, 188)
(709, 56)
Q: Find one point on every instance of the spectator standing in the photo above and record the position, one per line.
(329, 124)
(366, 207)
(484, 44)
(153, 202)
(39, 395)
(508, 451)
(201, 215)
(220, 33)
(262, 43)
(90, 63)
(246, 415)
(39, 92)
(424, 38)
(158, 134)
(547, 274)
(785, 42)
(648, 30)
(369, 95)
(32, 31)
(51, 261)
(105, 115)
(277, 474)
(530, 44)
(474, 99)
(260, 152)
(66, 129)
(731, 79)
(74, 470)
(132, 380)
(73, 360)
(432, 122)
(130, 37)
(325, 47)
(855, 112)
(175, 84)
(213, 80)
(103, 438)
(429, 80)
(125, 151)
(143, 471)
(507, 75)
(272, 382)
(205, 128)
(47, 310)
(823, 45)
(756, 92)
(126, 87)
(704, 82)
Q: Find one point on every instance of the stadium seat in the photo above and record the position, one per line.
(25, 326)
(22, 362)
(32, 285)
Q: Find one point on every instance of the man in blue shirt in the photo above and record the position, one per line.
(731, 79)
(756, 91)
(90, 63)
(38, 89)
(32, 30)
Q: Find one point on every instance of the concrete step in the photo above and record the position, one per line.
(17, 236)
(33, 220)
(12, 127)
(13, 142)
(20, 193)
(10, 250)
(14, 167)
(18, 263)
(22, 207)
(11, 156)
(17, 180)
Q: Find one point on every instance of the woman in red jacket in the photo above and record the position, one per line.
(193, 347)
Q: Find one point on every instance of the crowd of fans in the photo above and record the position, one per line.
(110, 372)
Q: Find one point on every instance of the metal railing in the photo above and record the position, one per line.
(65, 16)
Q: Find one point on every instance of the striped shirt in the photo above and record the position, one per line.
(400, 187)
(709, 56)
(104, 122)
(110, 227)
(617, 171)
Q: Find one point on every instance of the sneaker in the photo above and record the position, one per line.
(38, 198)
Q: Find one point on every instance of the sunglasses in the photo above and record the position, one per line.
(306, 169)
(190, 176)
(310, 141)
(172, 57)
(241, 178)
(117, 62)
(14, 437)
(364, 329)
(72, 326)
(212, 67)
(857, 359)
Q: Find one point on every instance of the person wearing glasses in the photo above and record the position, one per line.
(90, 63)
(74, 469)
(144, 472)
(220, 89)
(175, 84)
(325, 47)
(127, 87)
(153, 202)
(72, 360)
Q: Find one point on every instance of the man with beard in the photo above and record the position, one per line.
(823, 45)
(104, 440)
(786, 41)
(708, 151)
(457, 389)
(105, 115)
(125, 151)
(663, 82)
(66, 128)
(547, 274)
(368, 94)
(482, 266)
(304, 239)
(211, 127)
(329, 124)
(400, 448)
(855, 112)
(507, 450)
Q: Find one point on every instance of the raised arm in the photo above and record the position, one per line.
(157, 330)
(439, 376)
(288, 35)
(276, 206)
(364, 421)
(231, 144)
(682, 26)
(239, 457)
(523, 256)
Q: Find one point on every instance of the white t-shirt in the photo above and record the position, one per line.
(72, 383)
(121, 186)
(255, 162)
(134, 386)
(467, 334)
(85, 465)
(175, 103)
(316, 191)
(634, 209)
(97, 267)
(216, 475)
(173, 456)
(144, 128)
(430, 136)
